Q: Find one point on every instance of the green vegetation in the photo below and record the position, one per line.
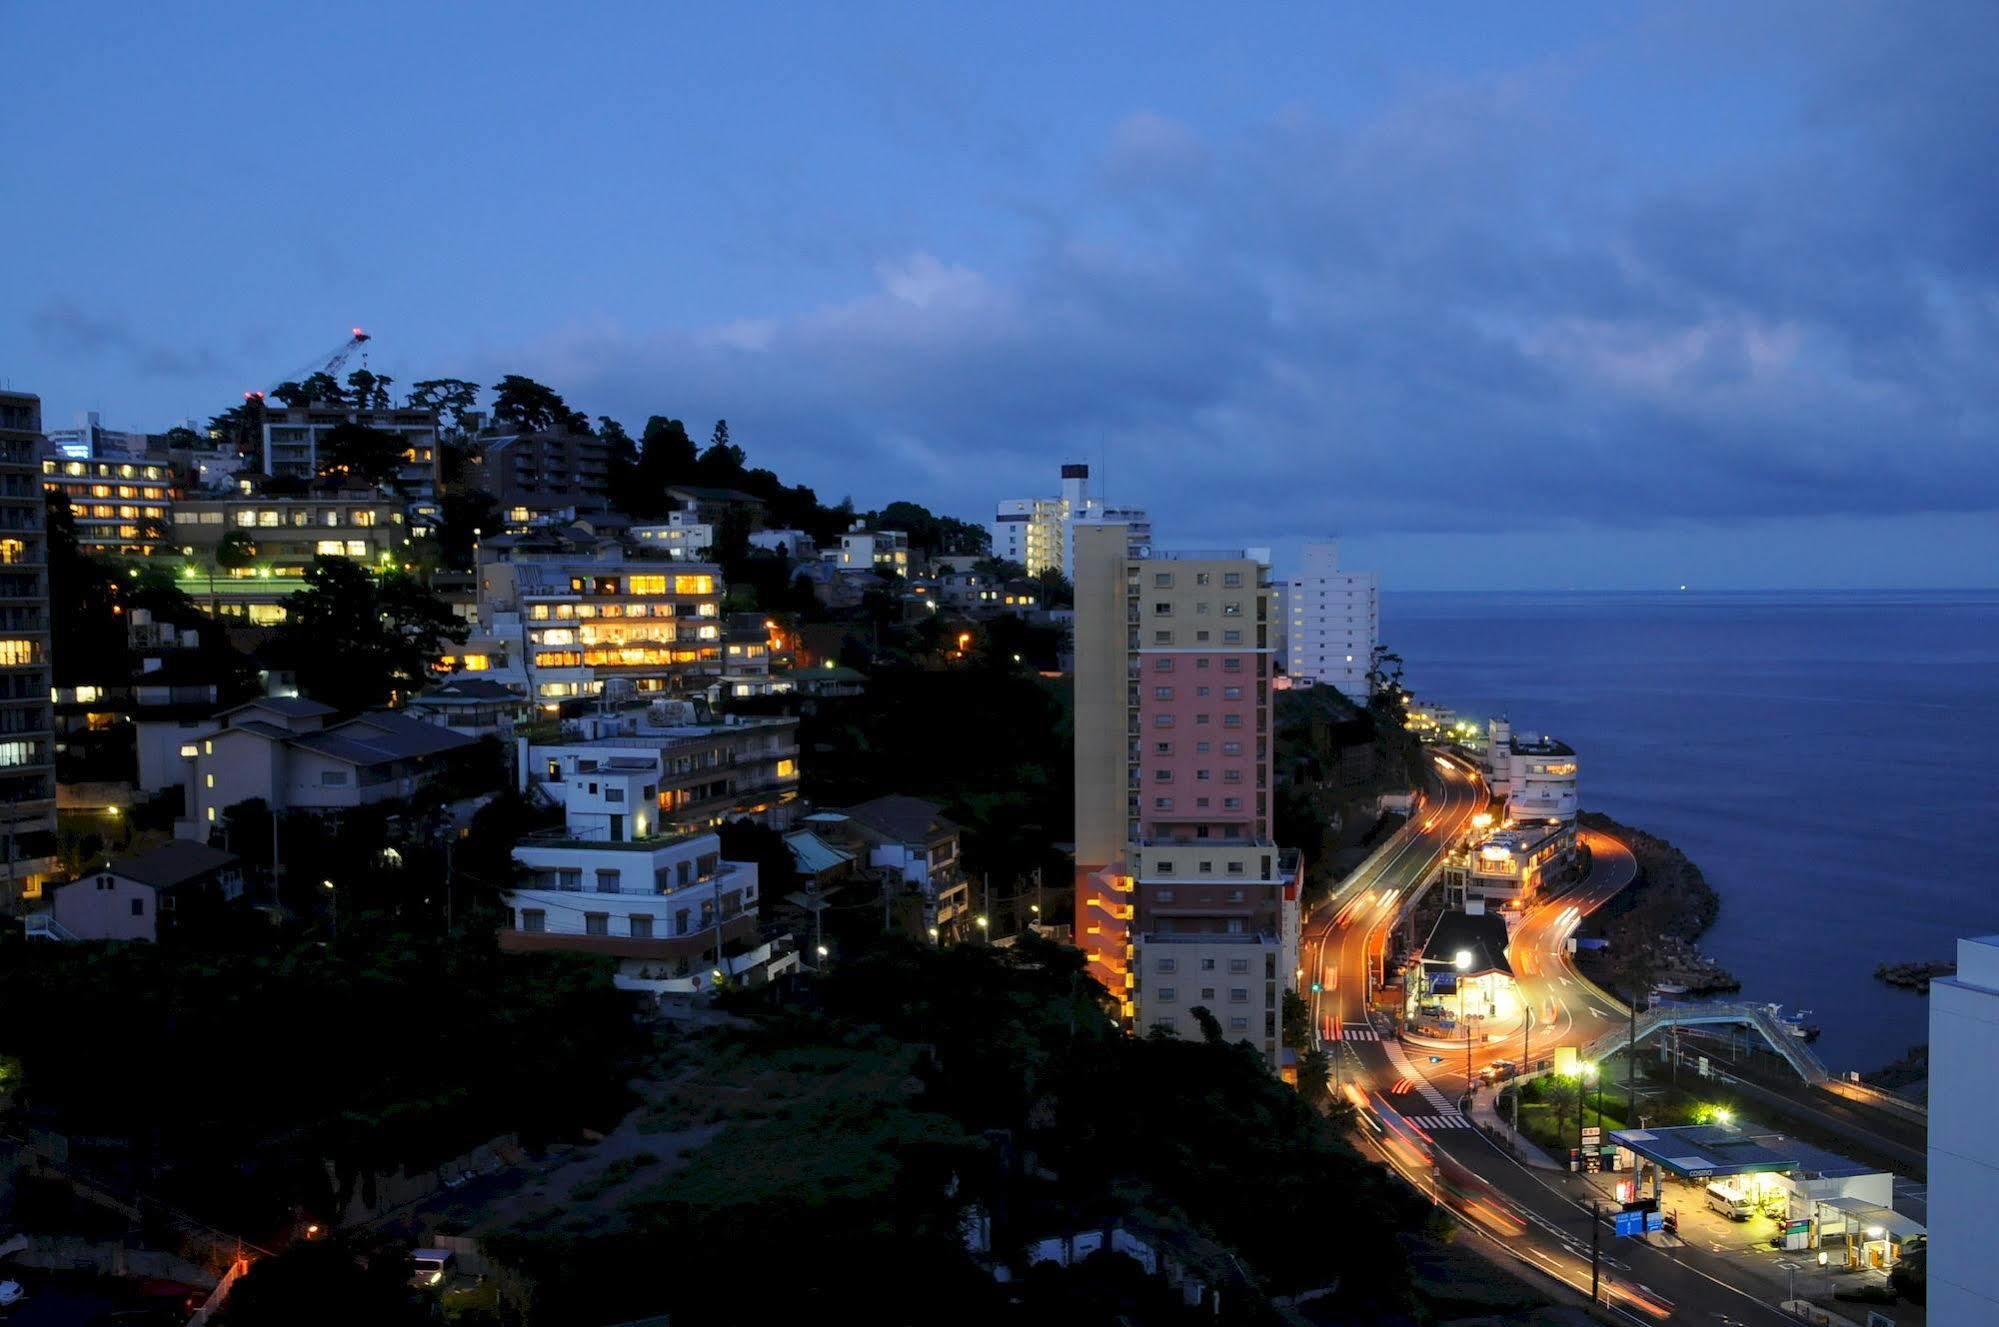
(857, 1128)
(357, 640)
(1333, 760)
(227, 1076)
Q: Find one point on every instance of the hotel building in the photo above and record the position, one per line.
(1183, 898)
(121, 508)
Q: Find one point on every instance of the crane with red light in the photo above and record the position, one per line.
(329, 364)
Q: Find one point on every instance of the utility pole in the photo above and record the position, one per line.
(1630, 1067)
(1595, 1239)
(1526, 1064)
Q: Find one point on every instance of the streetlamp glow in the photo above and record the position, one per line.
(822, 951)
(1462, 960)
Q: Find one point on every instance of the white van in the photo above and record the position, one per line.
(1732, 1206)
(429, 1267)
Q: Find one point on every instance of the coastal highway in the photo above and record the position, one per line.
(1348, 933)
(1407, 1106)
(1567, 1009)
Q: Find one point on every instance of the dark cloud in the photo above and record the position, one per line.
(1473, 307)
(67, 330)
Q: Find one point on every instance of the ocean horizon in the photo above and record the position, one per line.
(1824, 756)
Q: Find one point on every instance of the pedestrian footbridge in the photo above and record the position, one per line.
(1758, 1017)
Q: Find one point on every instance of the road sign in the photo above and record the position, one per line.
(1630, 1223)
(1655, 1221)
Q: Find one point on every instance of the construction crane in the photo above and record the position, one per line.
(329, 365)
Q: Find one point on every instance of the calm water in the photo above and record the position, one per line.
(1827, 759)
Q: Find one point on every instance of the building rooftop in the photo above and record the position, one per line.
(903, 819)
(1482, 933)
(1534, 744)
(292, 707)
(467, 691)
(1701, 1151)
(380, 737)
(171, 864)
(813, 854)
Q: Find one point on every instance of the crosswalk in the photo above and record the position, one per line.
(1451, 1121)
(1359, 1033)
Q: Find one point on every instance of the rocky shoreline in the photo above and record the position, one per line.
(1652, 928)
(1915, 976)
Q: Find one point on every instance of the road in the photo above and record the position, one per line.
(1347, 935)
(1408, 1099)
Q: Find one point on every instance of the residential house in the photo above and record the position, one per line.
(289, 753)
(133, 898)
(473, 707)
(910, 841)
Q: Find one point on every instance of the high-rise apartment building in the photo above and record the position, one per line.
(1183, 898)
(27, 758)
(1333, 619)
(1040, 533)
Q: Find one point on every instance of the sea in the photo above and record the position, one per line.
(1830, 760)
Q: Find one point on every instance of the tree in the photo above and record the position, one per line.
(357, 640)
(367, 390)
(324, 1283)
(1056, 591)
(86, 612)
(527, 405)
(1211, 1027)
(777, 874)
(1000, 569)
(1387, 699)
(1315, 1072)
(453, 396)
(1297, 1020)
(240, 427)
(365, 453)
(236, 551)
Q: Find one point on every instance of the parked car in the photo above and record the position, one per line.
(12, 1293)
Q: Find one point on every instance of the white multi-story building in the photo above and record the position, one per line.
(1534, 773)
(610, 882)
(1040, 533)
(681, 538)
(1332, 619)
(794, 544)
(880, 551)
(1964, 1149)
(701, 771)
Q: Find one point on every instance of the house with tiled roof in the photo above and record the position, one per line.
(289, 753)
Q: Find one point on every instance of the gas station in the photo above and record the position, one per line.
(1816, 1199)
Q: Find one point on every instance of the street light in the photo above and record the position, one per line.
(1462, 962)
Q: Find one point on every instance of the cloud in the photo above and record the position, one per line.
(1469, 309)
(65, 329)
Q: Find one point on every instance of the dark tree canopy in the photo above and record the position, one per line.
(362, 452)
(527, 405)
(452, 397)
(357, 640)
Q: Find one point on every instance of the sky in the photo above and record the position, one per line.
(1558, 296)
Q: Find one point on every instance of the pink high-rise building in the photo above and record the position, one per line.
(1183, 898)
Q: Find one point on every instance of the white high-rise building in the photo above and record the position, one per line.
(1964, 1150)
(1040, 534)
(1332, 621)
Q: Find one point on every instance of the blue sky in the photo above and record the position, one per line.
(1551, 296)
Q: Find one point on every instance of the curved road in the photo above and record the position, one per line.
(1343, 943)
(1404, 1098)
